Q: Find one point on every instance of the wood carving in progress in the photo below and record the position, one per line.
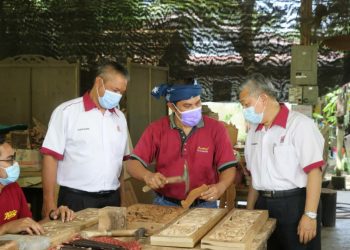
(237, 230)
(59, 231)
(151, 217)
(187, 230)
(194, 194)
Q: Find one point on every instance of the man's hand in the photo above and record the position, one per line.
(214, 192)
(62, 212)
(307, 229)
(47, 207)
(155, 180)
(23, 225)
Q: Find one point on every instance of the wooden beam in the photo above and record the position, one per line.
(305, 22)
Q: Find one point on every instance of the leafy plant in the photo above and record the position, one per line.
(329, 110)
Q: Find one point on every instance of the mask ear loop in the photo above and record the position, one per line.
(177, 111)
(256, 103)
(103, 87)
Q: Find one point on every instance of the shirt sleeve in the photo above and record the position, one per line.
(247, 148)
(145, 148)
(24, 210)
(128, 148)
(224, 157)
(309, 144)
(55, 139)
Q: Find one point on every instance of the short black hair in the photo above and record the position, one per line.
(2, 139)
(103, 66)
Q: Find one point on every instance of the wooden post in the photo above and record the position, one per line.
(329, 202)
(305, 22)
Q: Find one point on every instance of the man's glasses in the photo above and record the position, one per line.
(10, 159)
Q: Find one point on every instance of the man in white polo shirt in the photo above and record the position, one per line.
(284, 155)
(85, 145)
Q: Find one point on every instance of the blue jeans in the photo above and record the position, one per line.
(159, 200)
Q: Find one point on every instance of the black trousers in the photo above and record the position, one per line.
(77, 201)
(288, 212)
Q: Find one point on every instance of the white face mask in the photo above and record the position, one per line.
(110, 99)
(12, 174)
(251, 116)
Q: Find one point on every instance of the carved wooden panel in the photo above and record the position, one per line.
(59, 231)
(187, 230)
(237, 230)
(151, 217)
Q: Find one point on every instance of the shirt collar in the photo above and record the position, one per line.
(173, 124)
(89, 103)
(280, 119)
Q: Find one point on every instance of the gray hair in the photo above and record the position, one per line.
(257, 84)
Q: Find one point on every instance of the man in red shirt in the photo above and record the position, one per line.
(15, 215)
(184, 136)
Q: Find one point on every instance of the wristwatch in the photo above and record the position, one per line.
(311, 215)
(50, 215)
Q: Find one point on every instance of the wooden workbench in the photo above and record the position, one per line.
(76, 226)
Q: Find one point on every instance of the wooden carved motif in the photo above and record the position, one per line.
(236, 230)
(59, 231)
(151, 217)
(187, 230)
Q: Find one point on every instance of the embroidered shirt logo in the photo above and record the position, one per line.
(81, 129)
(203, 149)
(10, 214)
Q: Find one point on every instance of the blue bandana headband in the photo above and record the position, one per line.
(177, 92)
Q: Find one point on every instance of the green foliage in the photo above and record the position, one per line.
(330, 109)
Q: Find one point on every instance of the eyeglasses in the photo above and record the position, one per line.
(10, 159)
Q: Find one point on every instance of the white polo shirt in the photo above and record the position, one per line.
(88, 145)
(280, 157)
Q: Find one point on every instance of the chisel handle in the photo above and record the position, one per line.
(169, 180)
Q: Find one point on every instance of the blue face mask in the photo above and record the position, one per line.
(110, 99)
(12, 174)
(251, 116)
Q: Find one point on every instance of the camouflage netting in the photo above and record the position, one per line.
(219, 42)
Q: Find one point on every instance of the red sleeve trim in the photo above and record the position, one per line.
(310, 167)
(126, 157)
(54, 154)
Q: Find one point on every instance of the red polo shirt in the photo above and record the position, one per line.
(13, 204)
(207, 150)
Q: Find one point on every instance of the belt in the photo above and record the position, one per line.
(283, 193)
(82, 192)
(178, 202)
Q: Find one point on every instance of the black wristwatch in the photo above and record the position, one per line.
(51, 211)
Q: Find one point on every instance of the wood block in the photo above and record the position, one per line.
(111, 218)
(187, 230)
(236, 231)
(58, 231)
(151, 217)
(8, 245)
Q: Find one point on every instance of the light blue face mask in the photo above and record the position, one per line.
(110, 99)
(12, 174)
(251, 116)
